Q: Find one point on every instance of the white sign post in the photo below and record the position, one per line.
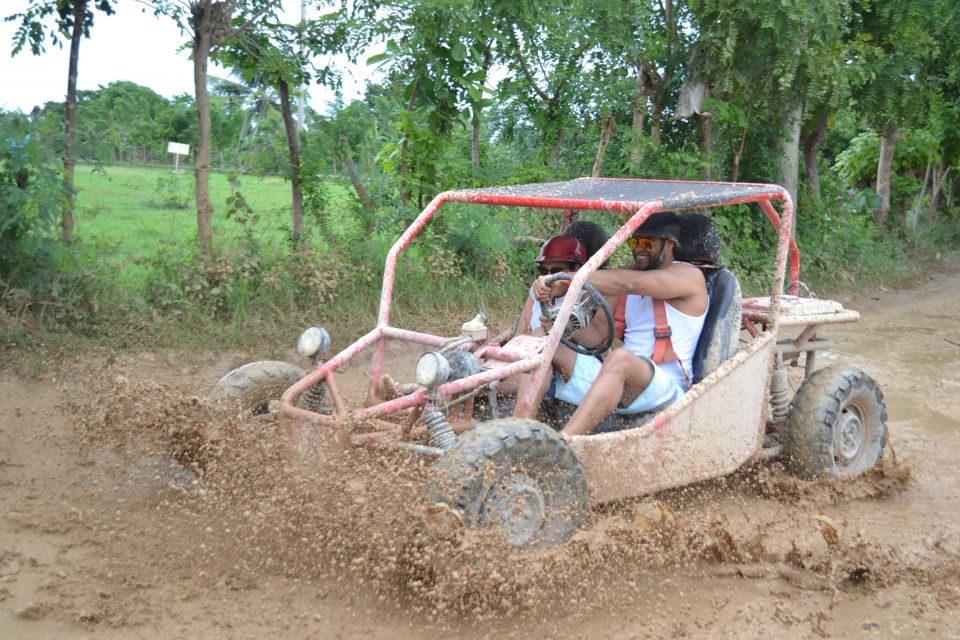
(178, 149)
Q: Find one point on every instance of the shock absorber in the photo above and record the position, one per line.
(779, 394)
(439, 431)
(314, 398)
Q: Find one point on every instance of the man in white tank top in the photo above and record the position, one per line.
(628, 381)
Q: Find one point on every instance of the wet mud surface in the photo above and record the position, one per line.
(130, 507)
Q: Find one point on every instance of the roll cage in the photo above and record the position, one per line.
(638, 199)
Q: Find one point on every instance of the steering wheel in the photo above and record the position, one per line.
(581, 315)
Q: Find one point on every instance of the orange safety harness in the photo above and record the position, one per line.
(662, 346)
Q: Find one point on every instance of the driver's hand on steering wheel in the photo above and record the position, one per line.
(546, 323)
(544, 292)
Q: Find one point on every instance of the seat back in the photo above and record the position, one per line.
(721, 328)
(700, 245)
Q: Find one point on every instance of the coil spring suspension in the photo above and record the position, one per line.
(779, 395)
(314, 398)
(441, 435)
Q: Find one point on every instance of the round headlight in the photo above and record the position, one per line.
(432, 369)
(314, 341)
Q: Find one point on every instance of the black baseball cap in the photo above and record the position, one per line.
(662, 224)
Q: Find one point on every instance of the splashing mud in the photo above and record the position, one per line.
(355, 520)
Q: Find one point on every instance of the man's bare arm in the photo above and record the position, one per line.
(677, 281)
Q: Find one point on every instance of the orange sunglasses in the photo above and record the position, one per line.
(645, 244)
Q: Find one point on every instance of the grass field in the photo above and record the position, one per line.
(145, 252)
(121, 220)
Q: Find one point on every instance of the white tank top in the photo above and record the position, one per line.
(639, 336)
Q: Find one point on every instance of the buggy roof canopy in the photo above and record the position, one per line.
(617, 194)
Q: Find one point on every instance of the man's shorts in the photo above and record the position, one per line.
(662, 390)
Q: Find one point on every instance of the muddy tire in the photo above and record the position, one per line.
(837, 424)
(514, 476)
(254, 385)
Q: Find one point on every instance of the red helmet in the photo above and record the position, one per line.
(563, 249)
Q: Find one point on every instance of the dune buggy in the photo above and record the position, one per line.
(513, 473)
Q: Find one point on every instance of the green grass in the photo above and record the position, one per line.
(131, 246)
(119, 222)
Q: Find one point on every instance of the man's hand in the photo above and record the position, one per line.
(544, 293)
(540, 289)
(546, 323)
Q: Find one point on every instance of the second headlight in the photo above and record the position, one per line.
(432, 369)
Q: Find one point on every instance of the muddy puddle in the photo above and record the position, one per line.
(130, 507)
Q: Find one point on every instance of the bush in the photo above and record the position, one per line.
(173, 191)
(32, 196)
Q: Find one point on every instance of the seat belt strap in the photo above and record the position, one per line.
(663, 345)
(620, 317)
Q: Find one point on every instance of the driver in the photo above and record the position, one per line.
(629, 381)
(559, 254)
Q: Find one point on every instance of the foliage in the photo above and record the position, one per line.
(172, 192)
(474, 94)
(31, 197)
(39, 278)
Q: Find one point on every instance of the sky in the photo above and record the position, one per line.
(130, 45)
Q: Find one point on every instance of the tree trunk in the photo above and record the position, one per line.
(475, 138)
(354, 178)
(201, 53)
(296, 160)
(639, 114)
(404, 187)
(605, 131)
(70, 120)
(475, 142)
(790, 157)
(555, 150)
(405, 151)
(940, 174)
(656, 118)
(888, 145)
(912, 217)
(743, 141)
(706, 145)
(811, 148)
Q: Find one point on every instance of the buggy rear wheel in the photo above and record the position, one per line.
(255, 384)
(837, 424)
(517, 477)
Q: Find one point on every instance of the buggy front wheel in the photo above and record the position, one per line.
(516, 477)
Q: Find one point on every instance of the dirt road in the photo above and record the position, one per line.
(103, 535)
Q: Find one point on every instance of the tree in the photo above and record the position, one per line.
(548, 43)
(437, 58)
(210, 25)
(895, 38)
(73, 17)
(278, 56)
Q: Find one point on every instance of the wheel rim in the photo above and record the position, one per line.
(515, 505)
(848, 437)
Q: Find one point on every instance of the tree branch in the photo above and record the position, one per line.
(246, 25)
(526, 72)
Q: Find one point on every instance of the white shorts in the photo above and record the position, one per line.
(662, 390)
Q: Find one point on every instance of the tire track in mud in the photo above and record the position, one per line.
(242, 540)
